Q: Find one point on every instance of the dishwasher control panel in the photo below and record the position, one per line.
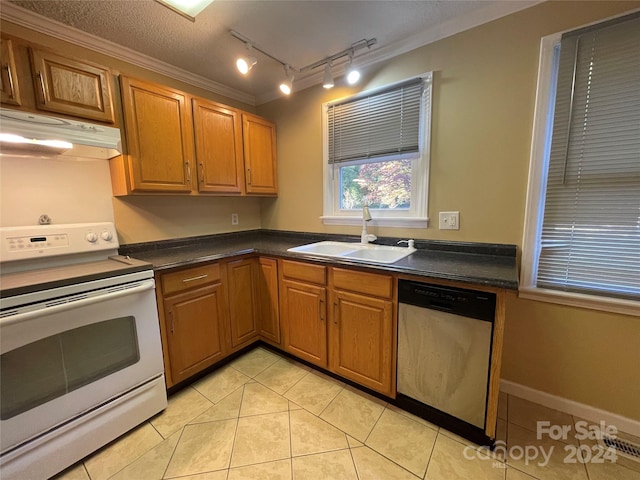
(460, 301)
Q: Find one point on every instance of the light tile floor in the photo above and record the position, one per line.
(264, 416)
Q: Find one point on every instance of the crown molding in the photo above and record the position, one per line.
(25, 18)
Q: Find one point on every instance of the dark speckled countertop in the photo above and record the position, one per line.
(474, 263)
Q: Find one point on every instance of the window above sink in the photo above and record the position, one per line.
(382, 163)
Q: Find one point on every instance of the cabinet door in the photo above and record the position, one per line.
(267, 300)
(218, 135)
(259, 137)
(303, 315)
(361, 340)
(241, 288)
(195, 330)
(72, 87)
(10, 91)
(159, 136)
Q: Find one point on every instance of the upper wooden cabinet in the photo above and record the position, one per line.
(159, 133)
(218, 138)
(10, 89)
(65, 85)
(180, 144)
(259, 136)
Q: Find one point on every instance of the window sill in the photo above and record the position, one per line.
(405, 222)
(605, 304)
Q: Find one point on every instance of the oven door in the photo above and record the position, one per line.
(64, 357)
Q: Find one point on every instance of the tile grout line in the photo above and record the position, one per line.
(116, 440)
(433, 448)
(290, 447)
(235, 434)
(164, 473)
(353, 460)
(375, 424)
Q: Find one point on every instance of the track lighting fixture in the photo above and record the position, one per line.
(245, 63)
(287, 86)
(353, 75)
(328, 77)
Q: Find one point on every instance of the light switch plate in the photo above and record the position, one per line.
(449, 220)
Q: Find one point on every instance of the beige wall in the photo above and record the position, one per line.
(142, 219)
(484, 92)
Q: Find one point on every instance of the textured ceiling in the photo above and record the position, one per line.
(298, 32)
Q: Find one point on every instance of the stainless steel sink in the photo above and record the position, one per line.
(355, 251)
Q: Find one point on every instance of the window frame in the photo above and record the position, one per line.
(416, 215)
(536, 192)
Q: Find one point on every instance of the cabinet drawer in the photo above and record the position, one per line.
(193, 277)
(306, 272)
(368, 283)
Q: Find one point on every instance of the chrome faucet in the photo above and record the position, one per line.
(366, 217)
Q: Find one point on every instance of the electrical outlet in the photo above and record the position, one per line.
(234, 219)
(449, 220)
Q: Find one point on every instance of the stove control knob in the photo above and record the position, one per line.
(107, 236)
(92, 237)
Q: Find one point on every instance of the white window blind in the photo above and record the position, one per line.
(590, 238)
(376, 125)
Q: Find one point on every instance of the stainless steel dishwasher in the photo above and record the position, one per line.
(444, 354)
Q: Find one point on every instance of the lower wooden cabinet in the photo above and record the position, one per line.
(353, 335)
(336, 318)
(267, 300)
(362, 328)
(361, 340)
(303, 313)
(194, 323)
(243, 308)
(194, 319)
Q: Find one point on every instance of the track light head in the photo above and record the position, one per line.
(246, 62)
(328, 77)
(286, 86)
(353, 75)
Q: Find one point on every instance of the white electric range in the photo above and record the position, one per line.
(80, 352)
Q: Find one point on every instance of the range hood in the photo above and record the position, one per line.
(25, 132)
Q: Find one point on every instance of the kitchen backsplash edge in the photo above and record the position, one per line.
(475, 248)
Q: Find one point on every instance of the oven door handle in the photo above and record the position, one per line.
(21, 317)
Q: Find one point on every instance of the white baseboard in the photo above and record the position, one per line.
(587, 412)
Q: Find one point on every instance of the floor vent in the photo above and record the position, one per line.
(622, 447)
